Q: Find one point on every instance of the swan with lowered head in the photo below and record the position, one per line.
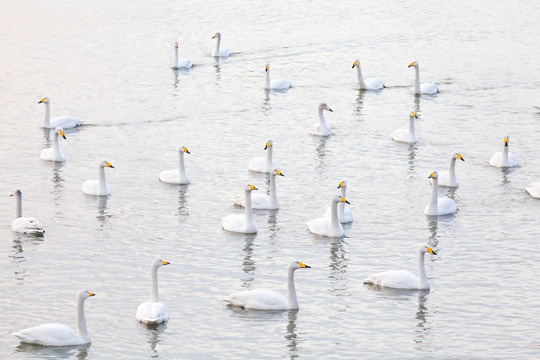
(65, 122)
(55, 334)
(262, 201)
(330, 227)
(503, 159)
(242, 223)
(407, 135)
(277, 84)
(534, 190)
(424, 88)
(344, 212)
(402, 279)
(24, 224)
(180, 63)
(321, 129)
(100, 186)
(263, 299)
(369, 83)
(152, 311)
(219, 51)
(54, 153)
(263, 164)
(449, 179)
(438, 206)
(177, 176)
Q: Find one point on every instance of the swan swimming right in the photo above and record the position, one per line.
(344, 212)
(262, 201)
(219, 51)
(24, 224)
(65, 122)
(263, 164)
(54, 153)
(424, 88)
(180, 63)
(152, 311)
(449, 179)
(100, 186)
(321, 129)
(177, 176)
(242, 223)
(330, 227)
(407, 135)
(276, 84)
(504, 159)
(438, 206)
(369, 83)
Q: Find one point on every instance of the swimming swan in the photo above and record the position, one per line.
(26, 224)
(55, 334)
(177, 176)
(369, 83)
(54, 153)
(262, 201)
(218, 51)
(263, 299)
(407, 135)
(438, 206)
(503, 159)
(344, 213)
(98, 187)
(180, 63)
(330, 227)
(402, 279)
(242, 223)
(534, 190)
(424, 88)
(449, 179)
(65, 122)
(277, 84)
(321, 129)
(152, 311)
(263, 164)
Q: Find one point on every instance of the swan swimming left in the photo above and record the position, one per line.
(330, 227)
(180, 63)
(263, 164)
(322, 128)
(369, 83)
(242, 223)
(24, 224)
(438, 206)
(98, 187)
(276, 84)
(504, 159)
(424, 88)
(65, 122)
(54, 153)
(407, 135)
(177, 176)
(219, 51)
(153, 311)
(55, 334)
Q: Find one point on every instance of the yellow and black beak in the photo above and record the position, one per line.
(186, 150)
(176, 45)
(431, 176)
(265, 67)
(109, 164)
(62, 133)
(252, 187)
(328, 108)
(354, 64)
(411, 64)
(215, 36)
(267, 145)
(506, 141)
(41, 101)
(414, 114)
(165, 262)
(344, 200)
(91, 294)
(431, 251)
(302, 265)
(460, 157)
(279, 173)
(340, 185)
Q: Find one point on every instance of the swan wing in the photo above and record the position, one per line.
(280, 84)
(26, 225)
(374, 83)
(446, 206)
(49, 335)
(184, 64)
(429, 88)
(260, 201)
(400, 135)
(65, 122)
(152, 313)
(398, 279)
(444, 180)
(260, 299)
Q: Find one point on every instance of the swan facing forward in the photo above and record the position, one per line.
(100, 186)
(263, 299)
(344, 212)
(402, 279)
(407, 135)
(152, 311)
(177, 176)
(263, 164)
(369, 83)
(54, 153)
(330, 227)
(424, 88)
(534, 190)
(321, 129)
(219, 51)
(262, 201)
(438, 206)
(26, 224)
(180, 63)
(55, 334)
(65, 122)
(242, 223)
(449, 179)
(504, 159)
(277, 84)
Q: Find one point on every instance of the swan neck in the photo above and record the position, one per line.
(417, 80)
(334, 220)
(248, 209)
(102, 182)
(323, 121)
(291, 290)
(433, 203)
(422, 271)
(267, 81)
(218, 44)
(273, 194)
(452, 170)
(47, 114)
(505, 155)
(341, 205)
(269, 160)
(360, 77)
(82, 331)
(154, 296)
(175, 57)
(56, 146)
(411, 126)
(181, 167)
(18, 206)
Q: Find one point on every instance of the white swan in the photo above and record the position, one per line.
(177, 176)
(262, 201)
(100, 186)
(55, 334)
(407, 135)
(369, 83)
(65, 122)
(402, 279)
(344, 212)
(503, 159)
(321, 129)
(54, 153)
(152, 311)
(219, 51)
(277, 84)
(263, 164)
(438, 206)
(180, 63)
(330, 227)
(242, 223)
(26, 224)
(534, 190)
(263, 299)
(424, 88)
(449, 179)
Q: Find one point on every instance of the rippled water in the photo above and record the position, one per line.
(109, 62)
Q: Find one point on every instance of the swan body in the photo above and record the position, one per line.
(407, 135)
(505, 158)
(438, 206)
(449, 179)
(65, 122)
(424, 88)
(534, 190)
(369, 83)
(277, 84)
(24, 224)
(321, 129)
(219, 51)
(263, 164)
(177, 176)
(57, 334)
(331, 226)
(263, 299)
(402, 279)
(152, 311)
(100, 186)
(54, 153)
(344, 212)
(262, 201)
(242, 223)
(180, 63)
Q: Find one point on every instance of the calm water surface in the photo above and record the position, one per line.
(109, 63)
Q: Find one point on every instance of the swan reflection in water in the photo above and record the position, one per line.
(54, 352)
(154, 332)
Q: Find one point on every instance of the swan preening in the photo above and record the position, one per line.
(152, 311)
(55, 334)
(242, 223)
(424, 88)
(24, 224)
(344, 212)
(534, 190)
(321, 129)
(369, 83)
(180, 63)
(277, 84)
(65, 122)
(407, 135)
(100, 186)
(219, 51)
(262, 201)
(177, 176)
(54, 153)
(263, 299)
(438, 206)
(402, 279)
(505, 158)
(449, 179)
(330, 227)
(263, 164)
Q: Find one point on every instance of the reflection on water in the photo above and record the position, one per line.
(154, 331)
(338, 266)
(506, 172)
(183, 208)
(273, 224)
(433, 226)
(267, 107)
(416, 105)
(47, 143)
(422, 327)
(103, 216)
(292, 336)
(248, 264)
(54, 352)
(320, 150)
(359, 103)
(412, 155)
(176, 80)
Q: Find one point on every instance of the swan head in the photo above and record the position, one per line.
(458, 156)
(105, 164)
(433, 175)
(250, 188)
(16, 193)
(413, 114)
(59, 131)
(275, 172)
(268, 144)
(298, 265)
(44, 100)
(184, 149)
(217, 35)
(427, 249)
(339, 199)
(356, 63)
(342, 184)
(414, 63)
(176, 44)
(84, 294)
(506, 140)
(156, 263)
(266, 67)
(323, 106)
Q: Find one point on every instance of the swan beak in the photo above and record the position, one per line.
(345, 200)
(176, 45)
(267, 145)
(460, 157)
(41, 101)
(165, 262)
(91, 294)
(214, 36)
(62, 133)
(414, 114)
(279, 173)
(430, 250)
(431, 176)
(354, 64)
(253, 187)
(328, 108)
(12, 194)
(412, 64)
(340, 185)
(109, 165)
(302, 265)
(506, 141)
(186, 150)
(266, 68)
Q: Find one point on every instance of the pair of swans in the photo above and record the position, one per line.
(65, 122)
(263, 164)
(242, 223)
(98, 187)
(407, 135)
(277, 84)
(369, 83)
(153, 311)
(322, 128)
(344, 212)
(180, 63)
(331, 226)
(177, 176)
(219, 51)
(424, 88)
(262, 201)
(504, 159)
(54, 153)
(438, 206)
(24, 224)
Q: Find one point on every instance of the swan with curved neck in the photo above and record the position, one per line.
(369, 83)
(180, 63)
(424, 88)
(242, 223)
(65, 122)
(449, 179)
(263, 299)
(262, 201)
(100, 186)
(402, 279)
(54, 153)
(55, 334)
(263, 164)
(276, 84)
(505, 158)
(407, 135)
(321, 129)
(153, 311)
(24, 224)
(330, 227)
(177, 176)
(219, 51)
(344, 212)
(438, 206)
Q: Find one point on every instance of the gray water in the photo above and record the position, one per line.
(109, 63)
